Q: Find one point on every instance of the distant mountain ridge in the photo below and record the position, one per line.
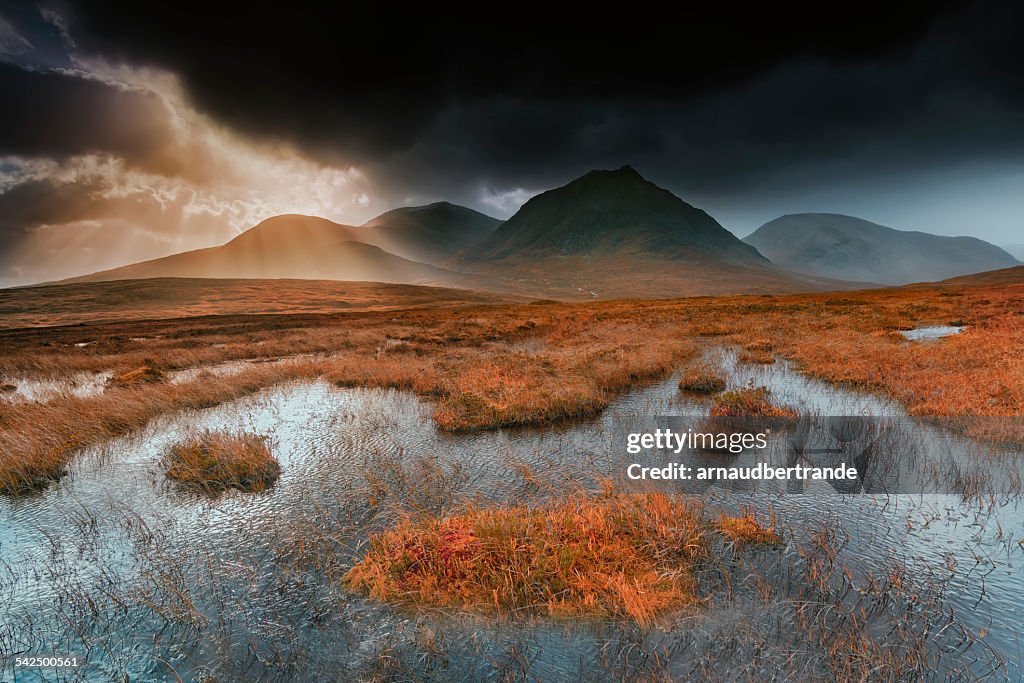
(849, 248)
(615, 233)
(607, 234)
(431, 233)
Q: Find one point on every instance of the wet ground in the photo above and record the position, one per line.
(932, 333)
(143, 580)
(82, 385)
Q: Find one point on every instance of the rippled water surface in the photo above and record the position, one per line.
(141, 578)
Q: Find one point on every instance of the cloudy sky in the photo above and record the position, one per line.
(130, 131)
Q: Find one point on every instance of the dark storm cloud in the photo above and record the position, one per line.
(706, 99)
(31, 36)
(51, 114)
(380, 76)
(907, 114)
(951, 96)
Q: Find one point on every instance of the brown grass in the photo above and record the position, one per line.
(25, 475)
(486, 366)
(702, 379)
(165, 297)
(575, 376)
(39, 439)
(745, 528)
(148, 373)
(221, 460)
(749, 402)
(622, 556)
(757, 352)
(755, 357)
(760, 345)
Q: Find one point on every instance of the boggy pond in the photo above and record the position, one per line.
(147, 582)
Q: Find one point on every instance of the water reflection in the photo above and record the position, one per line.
(930, 333)
(146, 578)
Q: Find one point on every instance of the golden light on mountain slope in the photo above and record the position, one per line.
(194, 184)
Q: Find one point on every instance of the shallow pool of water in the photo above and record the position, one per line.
(144, 578)
(233, 367)
(81, 385)
(932, 333)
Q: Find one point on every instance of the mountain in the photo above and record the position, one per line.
(1015, 250)
(615, 234)
(290, 246)
(432, 233)
(608, 234)
(834, 245)
(610, 213)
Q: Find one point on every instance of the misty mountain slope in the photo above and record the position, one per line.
(289, 246)
(838, 246)
(612, 234)
(609, 234)
(432, 233)
(1015, 250)
(609, 213)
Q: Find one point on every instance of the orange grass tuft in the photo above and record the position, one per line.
(745, 529)
(621, 556)
(702, 380)
(756, 357)
(221, 460)
(749, 402)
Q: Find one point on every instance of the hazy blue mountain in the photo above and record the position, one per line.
(432, 233)
(848, 248)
